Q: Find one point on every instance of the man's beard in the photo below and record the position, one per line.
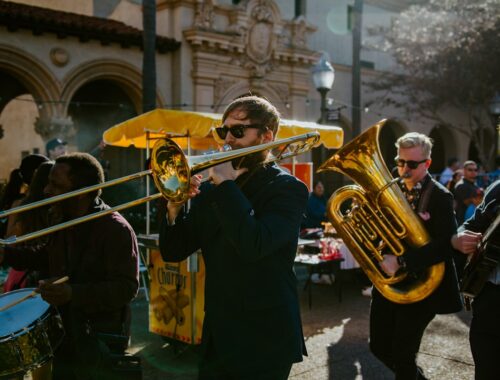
(249, 161)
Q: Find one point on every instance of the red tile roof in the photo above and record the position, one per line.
(42, 20)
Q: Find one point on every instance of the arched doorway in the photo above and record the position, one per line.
(389, 133)
(95, 107)
(18, 114)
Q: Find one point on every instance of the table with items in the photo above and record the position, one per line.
(324, 258)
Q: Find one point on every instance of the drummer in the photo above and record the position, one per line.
(101, 259)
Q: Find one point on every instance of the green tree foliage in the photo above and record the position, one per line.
(448, 52)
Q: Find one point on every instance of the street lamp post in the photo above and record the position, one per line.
(323, 76)
(494, 108)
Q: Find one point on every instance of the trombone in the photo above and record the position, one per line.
(171, 170)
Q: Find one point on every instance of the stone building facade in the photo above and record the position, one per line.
(73, 69)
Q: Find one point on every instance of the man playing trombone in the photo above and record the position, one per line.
(246, 223)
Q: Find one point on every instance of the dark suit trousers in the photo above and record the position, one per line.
(395, 334)
(213, 367)
(485, 333)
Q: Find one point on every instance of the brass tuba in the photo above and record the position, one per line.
(380, 221)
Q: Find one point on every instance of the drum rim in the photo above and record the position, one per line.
(26, 329)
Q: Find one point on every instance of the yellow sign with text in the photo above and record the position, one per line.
(177, 298)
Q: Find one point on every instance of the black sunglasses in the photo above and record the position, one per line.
(410, 163)
(237, 130)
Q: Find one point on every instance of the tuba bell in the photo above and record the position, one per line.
(380, 220)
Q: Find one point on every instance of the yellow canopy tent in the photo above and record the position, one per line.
(193, 130)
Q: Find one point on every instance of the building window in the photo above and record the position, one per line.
(300, 8)
(367, 64)
(350, 17)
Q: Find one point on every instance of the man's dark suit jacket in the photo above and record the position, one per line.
(248, 237)
(441, 226)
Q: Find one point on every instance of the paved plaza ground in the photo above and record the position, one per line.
(336, 338)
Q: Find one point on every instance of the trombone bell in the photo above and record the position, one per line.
(172, 170)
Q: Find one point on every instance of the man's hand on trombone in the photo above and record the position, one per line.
(224, 172)
(173, 209)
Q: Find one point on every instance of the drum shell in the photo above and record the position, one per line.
(30, 346)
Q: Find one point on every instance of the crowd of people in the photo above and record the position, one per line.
(100, 258)
(246, 221)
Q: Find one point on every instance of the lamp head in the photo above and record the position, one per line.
(323, 73)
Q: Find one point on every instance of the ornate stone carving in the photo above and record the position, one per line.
(299, 32)
(262, 12)
(55, 126)
(260, 38)
(283, 91)
(59, 56)
(221, 86)
(284, 38)
(204, 15)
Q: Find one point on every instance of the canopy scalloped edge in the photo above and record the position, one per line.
(161, 123)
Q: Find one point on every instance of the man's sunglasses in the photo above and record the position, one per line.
(410, 163)
(238, 130)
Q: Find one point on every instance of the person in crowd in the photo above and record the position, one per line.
(11, 193)
(457, 176)
(396, 329)
(316, 207)
(29, 221)
(484, 334)
(483, 178)
(17, 186)
(100, 257)
(15, 194)
(447, 173)
(465, 190)
(476, 200)
(495, 174)
(55, 148)
(247, 225)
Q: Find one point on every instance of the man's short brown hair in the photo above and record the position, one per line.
(259, 111)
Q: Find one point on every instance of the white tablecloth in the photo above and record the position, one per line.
(349, 260)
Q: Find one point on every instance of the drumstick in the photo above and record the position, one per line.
(32, 294)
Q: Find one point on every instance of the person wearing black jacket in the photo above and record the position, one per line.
(396, 330)
(247, 225)
(484, 335)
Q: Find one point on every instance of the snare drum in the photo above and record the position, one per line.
(29, 333)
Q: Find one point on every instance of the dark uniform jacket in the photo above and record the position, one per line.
(485, 215)
(248, 237)
(101, 259)
(486, 212)
(441, 226)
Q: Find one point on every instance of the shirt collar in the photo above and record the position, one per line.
(413, 195)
